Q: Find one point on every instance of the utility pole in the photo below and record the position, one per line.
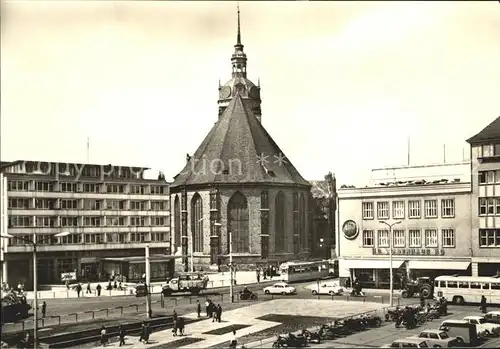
(148, 280)
(391, 273)
(231, 294)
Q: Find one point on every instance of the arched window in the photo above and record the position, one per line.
(238, 218)
(197, 222)
(302, 221)
(279, 227)
(177, 221)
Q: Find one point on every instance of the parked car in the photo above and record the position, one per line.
(280, 288)
(331, 289)
(493, 317)
(409, 342)
(489, 328)
(439, 339)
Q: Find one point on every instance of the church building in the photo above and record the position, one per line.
(239, 186)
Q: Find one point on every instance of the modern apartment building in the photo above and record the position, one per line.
(431, 224)
(110, 212)
(485, 204)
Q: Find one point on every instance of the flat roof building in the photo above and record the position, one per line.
(109, 211)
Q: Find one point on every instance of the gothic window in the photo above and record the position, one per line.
(264, 200)
(197, 222)
(238, 222)
(177, 221)
(279, 228)
(302, 220)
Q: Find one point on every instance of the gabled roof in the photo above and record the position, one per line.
(231, 151)
(489, 133)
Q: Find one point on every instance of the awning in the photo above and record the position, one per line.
(440, 265)
(371, 264)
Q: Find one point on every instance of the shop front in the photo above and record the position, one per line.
(372, 273)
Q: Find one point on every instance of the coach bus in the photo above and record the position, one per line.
(468, 289)
(297, 271)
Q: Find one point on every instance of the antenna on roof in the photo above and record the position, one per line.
(408, 150)
(444, 153)
(88, 150)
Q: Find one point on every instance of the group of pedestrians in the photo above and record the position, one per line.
(213, 311)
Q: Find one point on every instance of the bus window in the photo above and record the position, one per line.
(452, 284)
(442, 284)
(475, 285)
(486, 286)
(495, 286)
(463, 284)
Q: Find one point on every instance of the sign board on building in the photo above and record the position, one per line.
(410, 251)
(350, 229)
(70, 276)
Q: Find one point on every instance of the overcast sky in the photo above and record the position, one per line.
(343, 84)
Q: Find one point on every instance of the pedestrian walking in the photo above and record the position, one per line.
(89, 290)
(258, 276)
(44, 309)
(174, 327)
(174, 315)
(207, 307)
(78, 289)
(219, 312)
(144, 333)
(104, 336)
(233, 340)
(483, 304)
(180, 325)
(98, 289)
(198, 308)
(121, 335)
(115, 285)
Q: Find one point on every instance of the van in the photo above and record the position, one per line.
(462, 330)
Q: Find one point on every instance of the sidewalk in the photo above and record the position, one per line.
(215, 281)
(246, 321)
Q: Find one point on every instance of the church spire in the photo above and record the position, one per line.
(239, 58)
(238, 38)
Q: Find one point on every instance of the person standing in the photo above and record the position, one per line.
(180, 325)
(121, 335)
(483, 304)
(104, 336)
(44, 309)
(233, 340)
(219, 312)
(258, 276)
(89, 290)
(207, 305)
(198, 308)
(98, 289)
(78, 289)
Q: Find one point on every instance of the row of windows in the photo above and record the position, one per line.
(430, 238)
(74, 187)
(489, 150)
(467, 284)
(489, 206)
(489, 237)
(87, 204)
(95, 238)
(96, 221)
(489, 177)
(414, 209)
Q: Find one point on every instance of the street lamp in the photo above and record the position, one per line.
(231, 266)
(391, 276)
(35, 281)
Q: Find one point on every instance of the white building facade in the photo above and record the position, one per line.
(485, 204)
(110, 212)
(430, 234)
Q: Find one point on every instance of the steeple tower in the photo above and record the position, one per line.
(239, 58)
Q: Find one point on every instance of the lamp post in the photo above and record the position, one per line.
(391, 276)
(34, 243)
(148, 281)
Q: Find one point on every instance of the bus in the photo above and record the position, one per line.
(468, 289)
(297, 271)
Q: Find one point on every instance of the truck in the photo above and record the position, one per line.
(186, 282)
(14, 307)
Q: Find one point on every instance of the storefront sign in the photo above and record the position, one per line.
(350, 230)
(71, 276)
(409, 251)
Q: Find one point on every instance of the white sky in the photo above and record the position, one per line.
(343, 84)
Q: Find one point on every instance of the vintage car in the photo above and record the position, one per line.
(492, 317)
(280, 288)
(331, 289)
(490, 329)
(446, 324)
(410, 342)
(438, 339)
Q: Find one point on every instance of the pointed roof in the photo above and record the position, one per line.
(238, 150)
(489, 133)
